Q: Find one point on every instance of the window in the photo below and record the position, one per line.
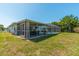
(22, 26)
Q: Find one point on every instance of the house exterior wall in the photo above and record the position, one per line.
(26, 28)
(13, 29)
(23, 29)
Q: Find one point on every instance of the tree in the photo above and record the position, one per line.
(2, 28)
(67, 23)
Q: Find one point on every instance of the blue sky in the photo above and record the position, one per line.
(38, 12)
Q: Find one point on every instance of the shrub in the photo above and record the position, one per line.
(76, 29)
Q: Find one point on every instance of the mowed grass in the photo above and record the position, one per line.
(62, 44)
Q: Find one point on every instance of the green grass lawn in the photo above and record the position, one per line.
(60, 44)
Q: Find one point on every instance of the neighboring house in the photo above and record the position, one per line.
(32, 29)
